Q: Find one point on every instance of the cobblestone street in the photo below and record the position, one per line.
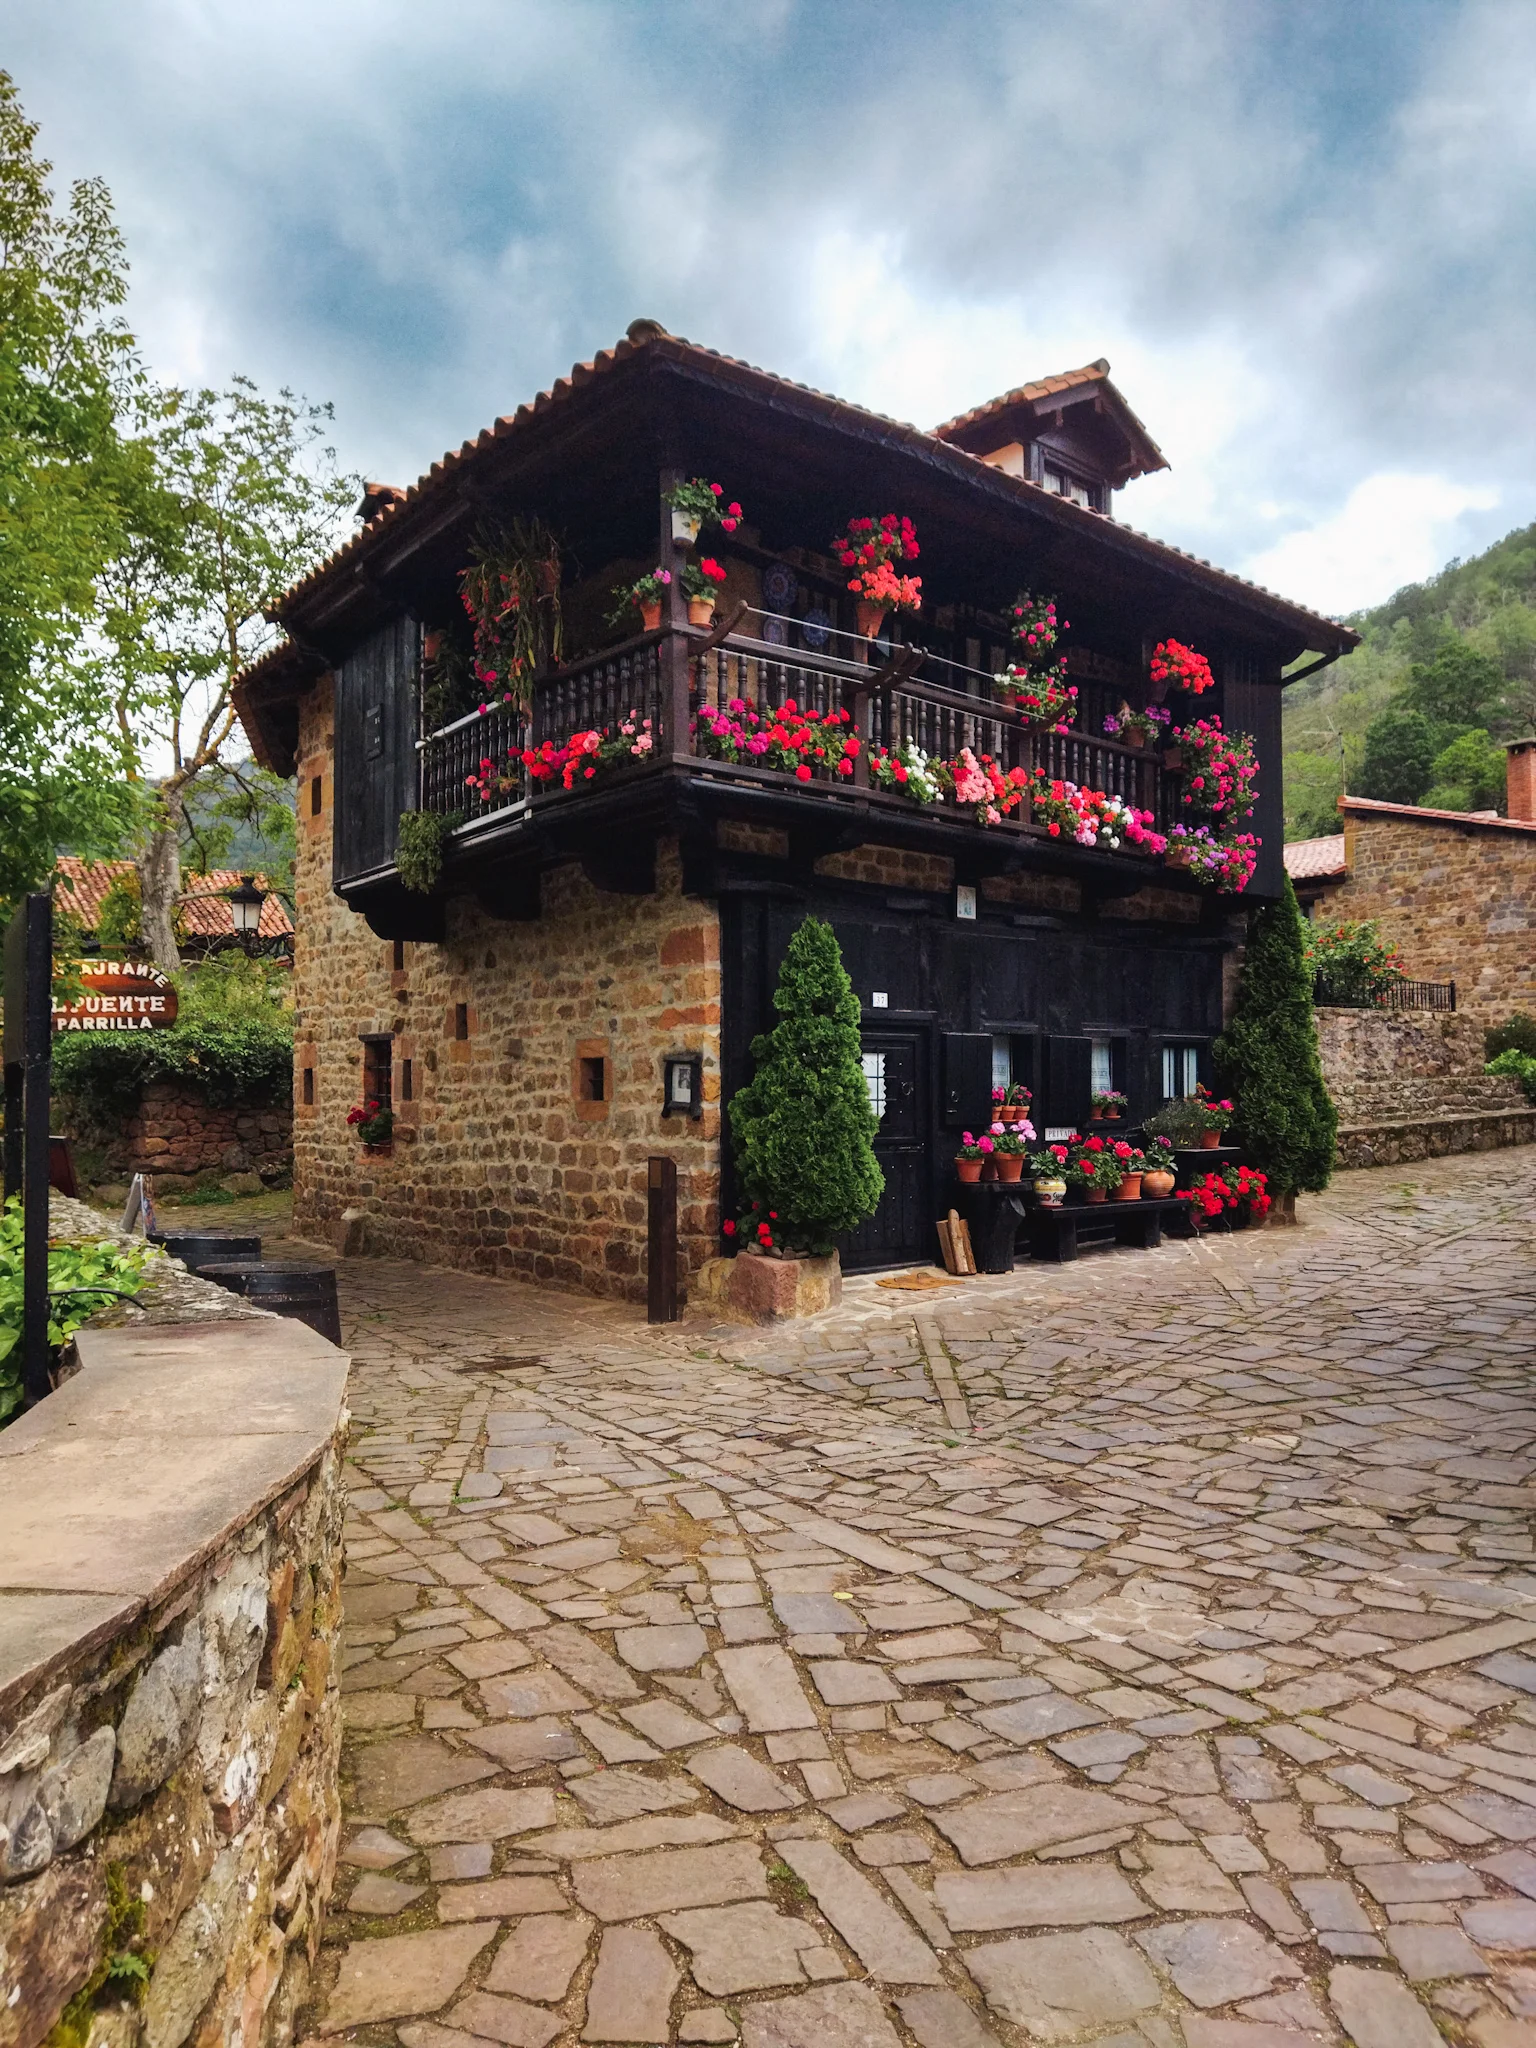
(1142, 1649)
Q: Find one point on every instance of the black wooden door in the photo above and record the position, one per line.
(900, 1229)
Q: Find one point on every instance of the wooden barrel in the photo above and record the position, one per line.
(288, 1287)
(199, 1248)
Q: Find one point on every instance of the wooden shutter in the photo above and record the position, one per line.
(1068, 1087)
(967, 1079)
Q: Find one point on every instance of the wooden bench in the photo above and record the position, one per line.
(1059, 1234)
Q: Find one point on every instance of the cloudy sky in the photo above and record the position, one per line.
(1301, 230)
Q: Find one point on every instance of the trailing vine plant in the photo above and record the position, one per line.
(419, 847)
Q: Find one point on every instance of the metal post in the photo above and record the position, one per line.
(28, 1052)
(661, 1241)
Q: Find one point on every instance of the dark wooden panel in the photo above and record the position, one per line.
(1251, 704)
(901, 1228)
(1068, 1082)
(967, 1093)
(376, 775)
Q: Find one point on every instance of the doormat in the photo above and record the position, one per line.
(918, 1281)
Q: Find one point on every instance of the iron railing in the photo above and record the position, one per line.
(1332, 994)
(894, 695)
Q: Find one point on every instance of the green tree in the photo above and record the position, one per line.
(1460, 687)
(71, 489)
(803, 1126)
(1399, 760)
(1312, 785)
(248, 495)
(1469, 775)
(1267, 1059)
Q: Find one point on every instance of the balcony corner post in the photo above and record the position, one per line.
(673, 653)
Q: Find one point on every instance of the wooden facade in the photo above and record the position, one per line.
(1077, 964)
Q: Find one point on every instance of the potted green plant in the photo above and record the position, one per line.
(700, 582)
(1048, 1175)
(1158, 1175)
(1133, 1165)
(375, 1125)
(1094, 1168)
(1135, 727)
(1181, 1121)
(696, 502)
(643, 596)
(1109, 1105)
(973, 1155)
(1214, 1116)
(1008, 1148)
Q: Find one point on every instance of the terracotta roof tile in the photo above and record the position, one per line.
(1311, 859)
(1489, 821)
(82, 885)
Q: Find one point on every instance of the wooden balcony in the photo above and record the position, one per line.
(893, 694)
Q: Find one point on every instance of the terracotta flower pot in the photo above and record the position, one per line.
(1095, 1194)
(1135, 737)
(1010, 1165)
(1209, 1140)
(1096, 1116)
(1156, 1184)
(1129, 1189)
(968, 1170)
(650, 616)
(1173, 759)
(871, 617)
(701, 611)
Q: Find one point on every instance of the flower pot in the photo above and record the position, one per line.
(871, 617)
(701, 611)
(1209, 1140)
(650, 616)
(1010, 1165)
(969, 1170)
(685, 527)
(1156, 1184)
(1173, 759)
(1096, 1116)
(1135, 737)
(1129, 1189)
(1178, 856)
(1050, 1194)
(989, 1167)
(1095, 1194)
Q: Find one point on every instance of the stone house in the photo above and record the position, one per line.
(1455, 891)
(578, 989)
(205, 915)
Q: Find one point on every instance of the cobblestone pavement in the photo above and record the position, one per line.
(1143, 1649)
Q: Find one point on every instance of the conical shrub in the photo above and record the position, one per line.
(802, 1128)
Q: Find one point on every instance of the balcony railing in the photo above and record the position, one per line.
(1401, 995)
(894, 695)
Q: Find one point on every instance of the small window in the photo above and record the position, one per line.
(1101, 1072)
(316, 795)
(461, 1020)
(592, 1079)
(407, 1081)
(1002, 1062)
(1065, 485)
(1181, 1070)
(398, 957)
(874, 1081)
(307, 1087)
(378, 1071)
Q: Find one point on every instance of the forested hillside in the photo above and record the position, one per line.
(1415, 715)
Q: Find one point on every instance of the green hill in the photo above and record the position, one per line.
(1452, 661)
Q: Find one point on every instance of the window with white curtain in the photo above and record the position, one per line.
(1002, 1062)
(1181, 1070)
(1101, 1066)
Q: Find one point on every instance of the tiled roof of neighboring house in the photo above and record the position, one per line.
(1047, 387)
(647, 335)
(1310, 859)
(83, 884)
(1487, 821)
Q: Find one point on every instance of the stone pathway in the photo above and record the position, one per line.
(1143, 1649)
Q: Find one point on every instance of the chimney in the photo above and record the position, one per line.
(1520, 771)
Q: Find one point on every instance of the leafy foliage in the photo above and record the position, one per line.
(1469, 775)
(1267, 1058)
(1352, 962)
(1521, 1066)
(71, 488)
(803, 1126)
(1458, 650)
(71, 1264)
(419, 847)
(1518, 1034)
(233, 1036)
(1399, 760)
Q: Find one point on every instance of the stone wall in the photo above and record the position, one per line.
(1457, 900)
(179, 1136)
(169, 1713)
(500, 1161)
(1409, 1085)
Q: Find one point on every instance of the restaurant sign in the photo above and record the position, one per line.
(120, 995)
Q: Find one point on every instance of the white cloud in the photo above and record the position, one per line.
(1391, 530)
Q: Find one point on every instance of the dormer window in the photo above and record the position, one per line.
(1065, 485)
